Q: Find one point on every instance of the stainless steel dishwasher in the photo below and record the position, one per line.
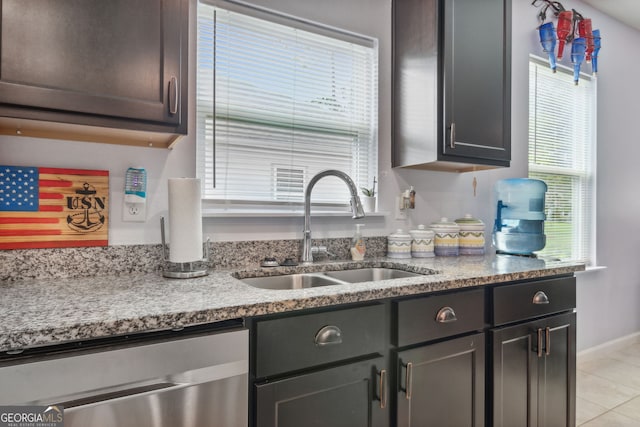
(191, 378)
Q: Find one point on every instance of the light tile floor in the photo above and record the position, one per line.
(608, 387)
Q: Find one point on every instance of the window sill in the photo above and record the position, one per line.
(591, 269)
(279, 213)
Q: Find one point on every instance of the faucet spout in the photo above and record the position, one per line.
(356, 207)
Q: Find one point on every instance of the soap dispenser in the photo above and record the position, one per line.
(358, 247)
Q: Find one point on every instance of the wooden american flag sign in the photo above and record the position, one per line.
(53, 208)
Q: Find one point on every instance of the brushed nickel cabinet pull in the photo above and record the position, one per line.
(446, 315)
(328, 335)
(548, 341)
(540, 298)
(409, 380)
(539, 342)
(383, 388)
(173, 95)
(452, 136)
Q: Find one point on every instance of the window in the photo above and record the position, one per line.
(279, 100)
(562, 141)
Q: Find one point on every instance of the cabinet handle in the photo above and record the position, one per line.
(408, 380)
(539, 342)
(446, 315)
(452, 136)
(328, 335)
(383, 388)
(547, 339)
(173, 95)
(540, 298)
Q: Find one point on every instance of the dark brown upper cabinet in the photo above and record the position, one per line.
(100, 70)
(451, 84)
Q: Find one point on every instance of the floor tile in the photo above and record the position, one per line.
(617, 371)
(603, 391)
(611, 419)
(629, 355)
(586, 410)
(630, 409)
(591, 363)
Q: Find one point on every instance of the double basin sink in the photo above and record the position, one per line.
(326, 278)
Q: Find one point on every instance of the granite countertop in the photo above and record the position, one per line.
(52, 311)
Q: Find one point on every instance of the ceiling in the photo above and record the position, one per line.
(626, 11)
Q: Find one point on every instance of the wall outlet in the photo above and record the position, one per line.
(134, 212)
(401, 214)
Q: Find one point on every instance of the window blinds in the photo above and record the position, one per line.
(277, 103)
(562, 138)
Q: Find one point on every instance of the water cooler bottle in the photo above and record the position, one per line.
(519, 225)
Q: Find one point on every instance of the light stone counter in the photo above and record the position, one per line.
(52, 311)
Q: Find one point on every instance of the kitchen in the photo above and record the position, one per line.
(612, 293)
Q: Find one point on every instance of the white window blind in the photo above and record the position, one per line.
(562, 141)
(279, 100)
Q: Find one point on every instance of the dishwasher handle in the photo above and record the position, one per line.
(129, 392)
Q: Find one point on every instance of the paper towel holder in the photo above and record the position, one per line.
(183, 270)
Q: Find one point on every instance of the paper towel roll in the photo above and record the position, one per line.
(185, 220)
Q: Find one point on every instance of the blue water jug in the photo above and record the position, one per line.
(519, 224)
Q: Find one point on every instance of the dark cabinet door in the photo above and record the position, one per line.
(353, 395)
(116, 59)
(442, 384)
(534, 373)
(557, 373)
(476, 74)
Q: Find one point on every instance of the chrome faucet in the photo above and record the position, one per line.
(356, 208)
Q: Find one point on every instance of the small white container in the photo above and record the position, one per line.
(422, 242)
(399, 244)
(471, 235)
(446, 241)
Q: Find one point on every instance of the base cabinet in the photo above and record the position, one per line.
(534, 373)
(442, 384)
(501, 356)
(325, 368)
(353, 395)
(533, 353)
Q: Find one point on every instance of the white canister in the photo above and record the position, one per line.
(422, 242)
(446, 237)
(399, 244)
(471, 235)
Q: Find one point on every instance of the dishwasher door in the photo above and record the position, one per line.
(196, 381)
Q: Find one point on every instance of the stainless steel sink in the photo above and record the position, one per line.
(339, 277)
(292, 281)
(370, 274)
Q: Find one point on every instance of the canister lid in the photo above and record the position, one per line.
(421, 232)
(444, 225)
(469, 223)
(400, 234)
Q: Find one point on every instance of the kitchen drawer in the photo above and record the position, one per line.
(419, 319)
(512, 303)
(302, 341)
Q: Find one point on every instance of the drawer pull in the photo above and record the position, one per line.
(446, 315)
(328, 335)
(540, 298)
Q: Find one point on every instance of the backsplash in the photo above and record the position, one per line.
(62, 263)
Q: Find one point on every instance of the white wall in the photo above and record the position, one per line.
(608, 301)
